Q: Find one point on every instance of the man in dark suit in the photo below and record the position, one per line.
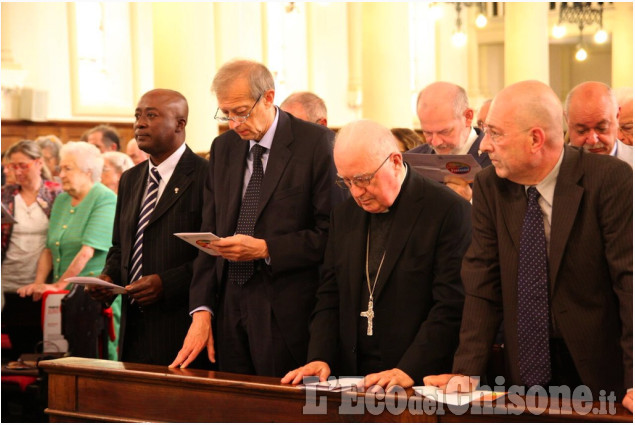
(389, 305)
(446, 123)
(585, 204)
(272, 216)
(155, 316)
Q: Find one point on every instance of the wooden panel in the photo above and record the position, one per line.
(64, 386)
(16, 130)
(113, 391)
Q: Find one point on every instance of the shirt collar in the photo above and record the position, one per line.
(166, 168)
(547, 186)
(267, 139)
(614, 151)
(468, 143)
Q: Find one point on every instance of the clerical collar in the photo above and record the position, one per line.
(403, 185)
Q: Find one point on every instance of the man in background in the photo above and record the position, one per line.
(105, 137)
(592, 115)
(307, 106)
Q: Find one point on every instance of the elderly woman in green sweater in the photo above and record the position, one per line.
(80, 228)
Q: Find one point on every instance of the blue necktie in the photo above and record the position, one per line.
(533, 297)
(239, 272)
(149, 202)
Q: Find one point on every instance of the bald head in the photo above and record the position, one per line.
(361, 149)
(306, 106)
(592, 117)
(524, 132)
(160, 120)
(482, 114)
(625, 101)
(445, 116)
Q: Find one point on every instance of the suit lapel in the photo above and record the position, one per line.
(278, 160)
(236, 157)
(407, 214)
(513, 207)
(355, 243)
(179, 182)
(566, 200)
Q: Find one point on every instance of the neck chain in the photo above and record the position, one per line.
(370, 313)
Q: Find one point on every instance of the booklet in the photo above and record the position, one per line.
(200, 240)
(335, 385)
(6, 216)
(456, 399)
(437, 167)
(87, 280)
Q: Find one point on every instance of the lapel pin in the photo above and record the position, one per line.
(176, 190)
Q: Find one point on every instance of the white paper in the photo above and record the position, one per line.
(336, 385)
(198, 238)
(437, 167)
(86, 280)
(456, 399)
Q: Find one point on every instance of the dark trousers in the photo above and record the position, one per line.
(248, 339)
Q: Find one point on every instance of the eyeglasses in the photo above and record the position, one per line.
(496, 136)
(361, 181)
(627, 129)
(23, 166)
(238, 119)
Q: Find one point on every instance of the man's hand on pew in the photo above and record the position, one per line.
(316, 368)
(452, 383)
(198, 337)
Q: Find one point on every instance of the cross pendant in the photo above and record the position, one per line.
(369, 314)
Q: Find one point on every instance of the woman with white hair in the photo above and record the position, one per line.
(115, 163)
(80, 228)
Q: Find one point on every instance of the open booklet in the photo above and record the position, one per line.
(456, 399)
(334, 385)
(86, 281)
(437, 167)
(200, 240)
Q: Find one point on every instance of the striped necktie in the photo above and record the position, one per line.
(149, 202)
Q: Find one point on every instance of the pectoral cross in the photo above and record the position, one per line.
(369, 314)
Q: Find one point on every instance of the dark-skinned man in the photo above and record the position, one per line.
(157, 198)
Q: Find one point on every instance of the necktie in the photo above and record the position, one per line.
(240, 271)
(149, 202)
(533, 298)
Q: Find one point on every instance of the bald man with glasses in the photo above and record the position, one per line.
(390, 300)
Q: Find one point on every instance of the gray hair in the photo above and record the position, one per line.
(87, 158)
(607, 92)
(459, 99)
(50, 142)
(119, 160)
(33, 151)
(623, 95)
(258, 76)
(313, 105)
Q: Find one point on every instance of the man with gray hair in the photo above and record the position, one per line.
(625, 101)
(268, 197)
(397, 318)
(307, 106)
(592, 115)
(51, 146)
(446, 123)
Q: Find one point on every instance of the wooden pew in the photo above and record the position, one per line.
(85, 390)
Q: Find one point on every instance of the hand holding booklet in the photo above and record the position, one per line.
(93, 281)
(437, 167)
(200, 240)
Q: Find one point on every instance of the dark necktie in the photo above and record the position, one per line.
(149, 202)
(533, 298)
(240, 271)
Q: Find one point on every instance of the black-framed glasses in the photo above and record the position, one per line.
(238, 119)
(361, 181)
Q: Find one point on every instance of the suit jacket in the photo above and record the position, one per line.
(419, 296)
(293, 214)
(482, 158)
(161, 327)
(590, 270)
